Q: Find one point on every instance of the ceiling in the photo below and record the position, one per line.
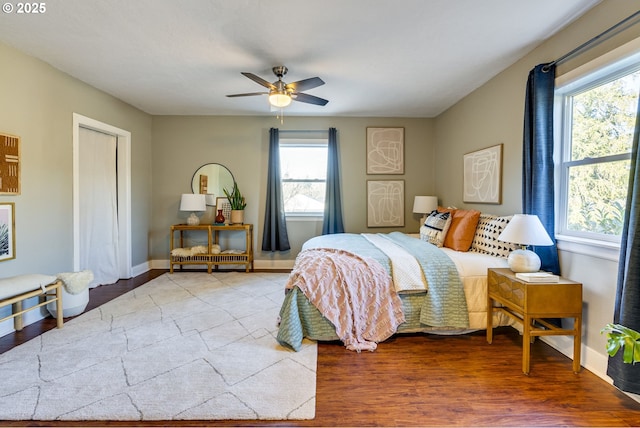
(379, 58)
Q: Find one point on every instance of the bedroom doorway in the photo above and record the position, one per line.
(104, 250)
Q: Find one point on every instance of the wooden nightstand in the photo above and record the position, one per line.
(530, 304)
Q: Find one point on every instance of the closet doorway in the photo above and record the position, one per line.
(101, 200)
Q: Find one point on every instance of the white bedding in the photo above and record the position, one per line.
(406, 273)
(472, 268)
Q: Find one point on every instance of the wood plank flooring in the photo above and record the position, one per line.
(424, 380)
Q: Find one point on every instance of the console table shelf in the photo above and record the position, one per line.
(210, 259)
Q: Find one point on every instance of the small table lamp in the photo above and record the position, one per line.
(193, 202)
(210, 199)
(424, 205)
(524, 230)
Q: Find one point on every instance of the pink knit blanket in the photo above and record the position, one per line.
(355, 293)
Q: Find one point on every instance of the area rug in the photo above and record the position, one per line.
(185, 346)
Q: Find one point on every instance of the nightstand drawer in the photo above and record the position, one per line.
(509, 291)
(554, 300)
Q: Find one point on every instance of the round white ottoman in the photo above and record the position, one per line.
(72, 304)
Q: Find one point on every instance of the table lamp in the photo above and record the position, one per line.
(424, 205)
(525, 230)
(193, 202)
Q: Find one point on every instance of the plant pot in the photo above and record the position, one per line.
(237, 217)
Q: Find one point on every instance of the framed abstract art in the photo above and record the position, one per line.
(385, 203)
(385, 150)
(483, 176)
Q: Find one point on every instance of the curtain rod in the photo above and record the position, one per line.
(591, 41)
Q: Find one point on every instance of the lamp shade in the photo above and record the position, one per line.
(193, 202)
(525, 229)
(425, 204)
(279, 99)
(210, 199)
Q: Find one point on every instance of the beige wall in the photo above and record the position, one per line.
(37, 104)
(182, 144)
(493, 114)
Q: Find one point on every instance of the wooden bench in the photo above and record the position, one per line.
(15, 290)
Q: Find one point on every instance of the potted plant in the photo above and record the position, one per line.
(621, 337)
(236, 200)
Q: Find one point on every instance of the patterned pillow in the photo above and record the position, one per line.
(435, 228)
(486, 238)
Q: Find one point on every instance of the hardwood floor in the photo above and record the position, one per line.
(424, 380)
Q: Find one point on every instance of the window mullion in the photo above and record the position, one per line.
(303, 180)
(603, 159)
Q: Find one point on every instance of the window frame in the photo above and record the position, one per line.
(611, 66)
(314, 141)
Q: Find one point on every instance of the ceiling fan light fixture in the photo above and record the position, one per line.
(279, 99)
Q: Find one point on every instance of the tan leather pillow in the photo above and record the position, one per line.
(462, 230)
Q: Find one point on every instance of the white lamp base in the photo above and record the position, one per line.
(523, 261)
(193, 220)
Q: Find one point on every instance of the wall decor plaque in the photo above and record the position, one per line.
(9, 164)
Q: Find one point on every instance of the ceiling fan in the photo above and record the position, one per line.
(281, 94)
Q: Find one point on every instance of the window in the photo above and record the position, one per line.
(599, 116)
(303, 169)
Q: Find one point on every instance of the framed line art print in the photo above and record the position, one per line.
(385, 203)
(7, 231)
(482, 180)
(385, 150)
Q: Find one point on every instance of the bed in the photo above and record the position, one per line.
(454, 301)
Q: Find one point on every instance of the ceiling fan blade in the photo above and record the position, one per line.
(309, 99)
(249, 94)
(306, 84)
(259, 80)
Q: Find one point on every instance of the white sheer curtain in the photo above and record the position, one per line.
(98, 206)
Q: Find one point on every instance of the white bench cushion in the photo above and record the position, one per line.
(16, 285)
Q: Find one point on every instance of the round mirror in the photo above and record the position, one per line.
(210, 179)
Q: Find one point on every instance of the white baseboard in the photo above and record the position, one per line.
(141, 268)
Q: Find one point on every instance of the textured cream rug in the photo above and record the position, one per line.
(193, 346)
